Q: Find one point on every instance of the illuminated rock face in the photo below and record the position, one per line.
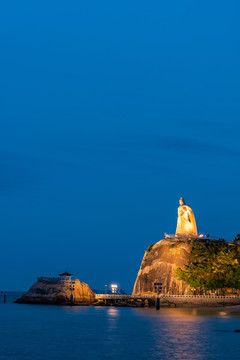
(44, 292)
(186, 224)
(159, 264)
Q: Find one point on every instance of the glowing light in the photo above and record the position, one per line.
(114, 288)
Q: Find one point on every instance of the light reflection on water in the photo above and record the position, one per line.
(50, 332)
(112, 312)
(195, 333)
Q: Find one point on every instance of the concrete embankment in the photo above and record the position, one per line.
(166, 300)
(200, 301)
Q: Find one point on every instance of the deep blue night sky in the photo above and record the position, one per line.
(110, 111)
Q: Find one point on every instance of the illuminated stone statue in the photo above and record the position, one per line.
(186, 224)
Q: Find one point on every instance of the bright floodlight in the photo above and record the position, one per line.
(114, 288)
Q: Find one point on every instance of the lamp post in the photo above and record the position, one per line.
(71, 286)
(158, 290)
(105, 289)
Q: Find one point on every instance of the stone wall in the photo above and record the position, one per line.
(199, 301)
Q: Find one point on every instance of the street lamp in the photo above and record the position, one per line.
(71, 287)
(158, 290)
(114, 288)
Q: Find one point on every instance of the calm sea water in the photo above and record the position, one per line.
(35, 332)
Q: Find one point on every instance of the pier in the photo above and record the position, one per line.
(117, 299)
(166, 300)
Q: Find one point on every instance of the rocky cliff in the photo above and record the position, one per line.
(46, 291)
(159, 265)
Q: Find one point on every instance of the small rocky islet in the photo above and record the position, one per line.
(58, 291)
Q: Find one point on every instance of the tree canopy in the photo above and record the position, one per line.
(215, 264)
(236, 240)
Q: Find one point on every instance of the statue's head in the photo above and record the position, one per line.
(181, 201)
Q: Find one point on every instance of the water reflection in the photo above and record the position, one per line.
(112, 316)
(112, 312)
(75, 310)
(187, 334)
(108, 333)
(183, 312)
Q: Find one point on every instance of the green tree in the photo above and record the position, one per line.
(214, 264)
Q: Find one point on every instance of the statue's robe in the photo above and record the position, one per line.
(186, 224)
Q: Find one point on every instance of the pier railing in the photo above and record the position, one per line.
(203, 296)
(54, 280)
(117, 296)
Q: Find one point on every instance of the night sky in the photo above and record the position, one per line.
(109, 112)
